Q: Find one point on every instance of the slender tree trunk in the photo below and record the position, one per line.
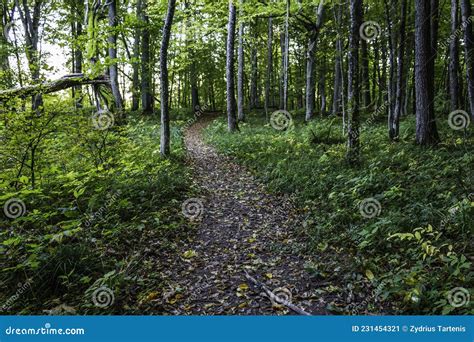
(454, 89)
(310, 84)
(268, 78)
(112, 47)
(136, 63)
(322, 88)
(146, 91)
(231, 117)
(391, 53)
(286, 57)
(254, 74)
(77, 13)
(469, 51)
(311, 51)
(394, 121)
(240, 72)
(282, 70)
(336, 99)
(31, 23)
(165, 120)
(365, 74)
(353, 89)
(193, 73)
(426, 131)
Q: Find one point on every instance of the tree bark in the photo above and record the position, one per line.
(165, 120)
(286, 57)
(394, 121)
(269, 65)
(193, 77)
(353, 90)
(77, 11)
(136, 64)
(231, 117)
(240, 72)
(314, 29)
(31, 24)
(147, 98)
(254, 72)
(112, 47)
(454, 89)
(469, 51)
(426, 131)
(64, 82)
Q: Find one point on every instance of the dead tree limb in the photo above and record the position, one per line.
(274, 298)
(64, 82)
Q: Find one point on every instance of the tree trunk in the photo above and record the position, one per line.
(286, 57)
(469, 51)
(254, 74)
(336, 99)
(310, 77)
(231, 117)
(165, 120)
(353, 89)
(269, 65)
(426, 131)
(112, 47)
(394, 122)
(240, 72)
(136, 63)
(365, 75)
(77, 12)
(454, 89)
(193, 77)
(31, 23)
(147, 99)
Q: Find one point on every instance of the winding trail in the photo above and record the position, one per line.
(242, 228)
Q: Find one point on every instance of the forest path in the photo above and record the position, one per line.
(240, 228)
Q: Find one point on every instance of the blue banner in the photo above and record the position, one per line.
(237, 328)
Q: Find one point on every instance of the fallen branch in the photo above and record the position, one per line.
(64, 82)
(274, 298)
